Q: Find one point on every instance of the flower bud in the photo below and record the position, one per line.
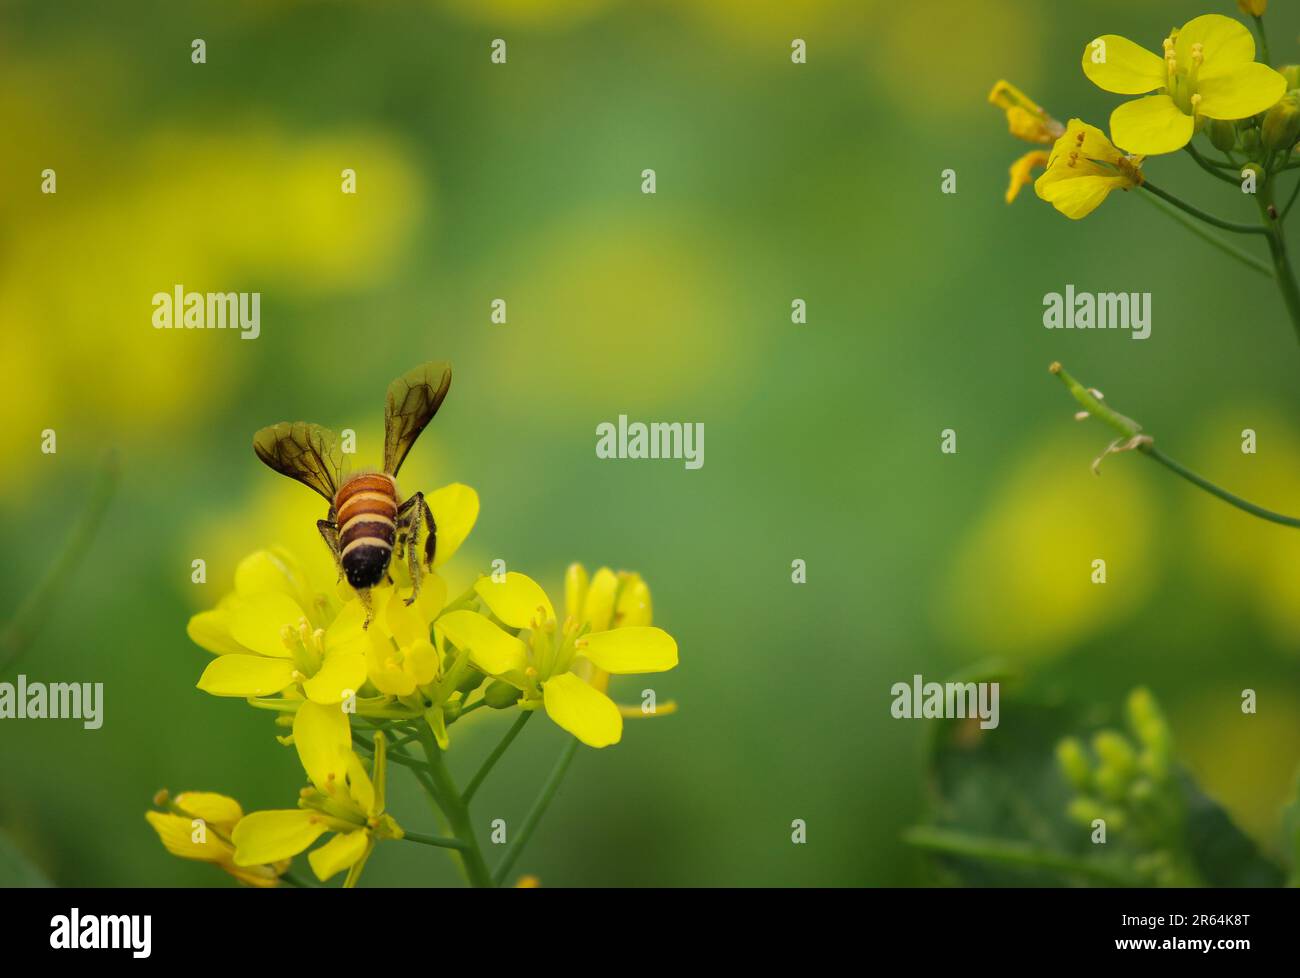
(1223, 135)
(1073, 762)
(1292, 75)
(500, 695)
(1255, 8)
(1282, 123)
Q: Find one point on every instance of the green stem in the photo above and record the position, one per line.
(1210, 167)
(454, 807)
(1282, 269)
(1295, 192)
(495, 756)
(1131, 430)
(1013, 854)
(534, 816)
(1263, 39)
(34, 609)
(1227, 247)
(1231, 499)
(441, 841)
(1196, 212)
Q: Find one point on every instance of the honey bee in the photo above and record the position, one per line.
(368, 519)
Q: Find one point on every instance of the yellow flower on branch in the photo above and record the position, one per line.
(198, 824)
(353, 808)
(1026, 120)
(1083, 169)
(559, 668)
(1208, 71)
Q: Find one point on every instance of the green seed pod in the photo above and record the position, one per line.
(1281, 126)
(1223, 135)
(500, 695)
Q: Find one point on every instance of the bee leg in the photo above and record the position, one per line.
(329, 532)
(430, 544)
(363, 595)
(417, 509)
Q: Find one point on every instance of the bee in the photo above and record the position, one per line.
(368, 519)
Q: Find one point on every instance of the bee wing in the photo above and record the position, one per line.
(306, 452)
(413, 400)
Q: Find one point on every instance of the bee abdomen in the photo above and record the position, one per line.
(367, 520)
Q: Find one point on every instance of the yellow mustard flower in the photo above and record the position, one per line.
(1208, 71)
(1083, 169)
(198, 824)
(352, 807)
(1026, 120)
(546, 668)
(603, 601)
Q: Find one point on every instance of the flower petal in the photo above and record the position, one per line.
(630, 650)
(1225, 43)
(516, 599)
(634, 606)
(340, 676)
(491, 650)
(1128, 68)
(589, 715)
(213, 808)
(246, 675)
(384, 667)
(323, 737)
(598, 609)
(256, 622)
(177, 834)
(211, 630)
(275, 571)
(340, 853)
(575, 590)
(1240, 92)
(1079, 197)
(455, 510)
(267, 837)
(405, 623)
(1151, 125)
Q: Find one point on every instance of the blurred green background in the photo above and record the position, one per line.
(522, 181)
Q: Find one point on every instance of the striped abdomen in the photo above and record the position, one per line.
(366, 512)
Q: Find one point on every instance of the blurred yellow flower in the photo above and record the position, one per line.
(198, 824)
(1258, 563)
(1208, 70)
(1021, 582)
(1083, 169)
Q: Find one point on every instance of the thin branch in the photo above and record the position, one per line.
(1227, 247)
(1200, 214)
(495, 756)
(1133, 438)
(538, 810)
